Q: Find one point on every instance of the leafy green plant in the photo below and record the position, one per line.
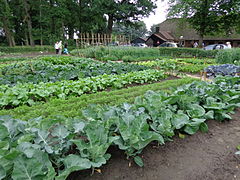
(72, 106)
(52, 69)
(30, 93)
(21, 49)
(2, 54)
(238, 148)
(53, 148)
(132, 53)
(229, 56)
(179, 65)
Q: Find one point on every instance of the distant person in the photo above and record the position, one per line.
(60, 47)
(65, 50)
(228, 44)
(195, 45)
(56, 46)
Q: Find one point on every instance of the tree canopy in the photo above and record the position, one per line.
(131, 31)
(29, 22)
(207, 16)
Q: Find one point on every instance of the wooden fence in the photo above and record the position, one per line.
(100, 39)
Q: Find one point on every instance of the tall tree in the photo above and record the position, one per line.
(27, 19)
(206, 16)
(131, 31)
(125, 10)
(5, 17)
(45, 21)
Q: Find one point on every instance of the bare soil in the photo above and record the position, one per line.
(203, 156)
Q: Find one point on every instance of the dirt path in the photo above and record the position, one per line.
(203, 156)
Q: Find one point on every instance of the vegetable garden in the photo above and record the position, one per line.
(62, 114)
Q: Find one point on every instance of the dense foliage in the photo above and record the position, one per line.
(207, 16)
(9, 60)
(46, 21)
(72, 106)
(129, 54)
(180, 65)
(2, 53)
(29, 93)
(229, 56)
(53, 148)
(188, 52)
(20, 49)
(52, 69)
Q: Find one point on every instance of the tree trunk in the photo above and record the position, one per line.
(53, 28)
(110, 24)
(29, 22)
(7, 31)
(26, 38)
(41, 29)
(201, 41)
(63, 31)
(80, 17)
(6, 23)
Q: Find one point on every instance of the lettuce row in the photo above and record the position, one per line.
(30, 93)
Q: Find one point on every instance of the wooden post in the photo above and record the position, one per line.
(205, 76)
(105, 39)
(102, 37)
(88, 40)
(81, 39)
(93, 40)
(98, 38)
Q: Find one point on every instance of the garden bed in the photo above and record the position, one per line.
(76, 124)
(203, 156)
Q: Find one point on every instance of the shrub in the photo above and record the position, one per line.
(135, 53)
(229, 56)
(187, 52)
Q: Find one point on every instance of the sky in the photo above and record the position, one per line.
(159, 16)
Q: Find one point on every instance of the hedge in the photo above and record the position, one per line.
(135, 53)
(228, 56)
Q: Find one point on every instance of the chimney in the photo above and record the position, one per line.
(157, 29)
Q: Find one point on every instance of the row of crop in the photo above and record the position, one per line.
(71, 107)
(12, 59)
(135, 54)
(20, 49)
(29, 93)
(185, 60)
(196, 61)
(222, 70)
(175, 65)
(2, 53)
(52, 69)
(53, 148)
(229, 56)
